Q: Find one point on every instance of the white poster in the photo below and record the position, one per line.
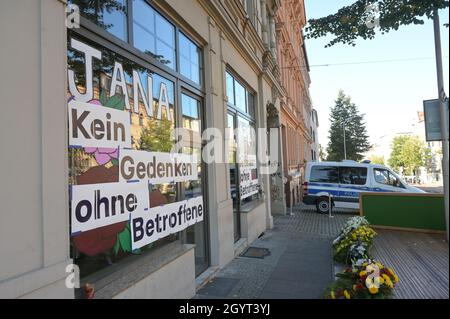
(98, 205)
(98, 126)
(158, 222)
(248, 177)
(156, 167)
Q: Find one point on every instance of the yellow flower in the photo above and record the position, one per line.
(379, 280)
(395, 278)
(354, 287)
(380, 266)
(346, 294)
(391, 271)
(373, 289)
(388, 281)
(363, 273)
(364, 265)
(332, 295)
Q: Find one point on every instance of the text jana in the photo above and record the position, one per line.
(118, 80)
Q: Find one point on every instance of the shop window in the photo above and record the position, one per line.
(189, 59)
(244, 175)
(96, 250)
(153, 34)
(110, 15)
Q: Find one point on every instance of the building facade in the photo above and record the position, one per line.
(295, 102)
(88, 189)
(315, 146)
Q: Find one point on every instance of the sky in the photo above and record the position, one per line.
(389, 94)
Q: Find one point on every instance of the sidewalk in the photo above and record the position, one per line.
(299, 265)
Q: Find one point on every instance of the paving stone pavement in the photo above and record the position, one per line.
(300, 262)
(299, 265)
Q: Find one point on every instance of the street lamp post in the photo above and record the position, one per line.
(441, 95)
(345, 145)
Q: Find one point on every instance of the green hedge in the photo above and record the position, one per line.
(415, 211)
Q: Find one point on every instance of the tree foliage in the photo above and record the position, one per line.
(408, 153)
(350, 22)
(356, 138)
(157, 136)
(375, 159)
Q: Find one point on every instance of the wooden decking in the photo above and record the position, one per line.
(420, 261)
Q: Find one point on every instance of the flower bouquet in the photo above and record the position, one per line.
(369, 280)
(355, 245)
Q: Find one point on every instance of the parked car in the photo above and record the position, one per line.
(345, 180)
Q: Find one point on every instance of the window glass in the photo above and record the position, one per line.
(230, 88)
(246, 153)
(189, 59)
(190, 111)
(353, 175)
(251, 104)
(240, 96)
(324, 174)
(110, 15)
(384, 176)
(143, 40)
(97, 250)
(153, 34)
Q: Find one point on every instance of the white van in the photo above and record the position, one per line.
(345, 180)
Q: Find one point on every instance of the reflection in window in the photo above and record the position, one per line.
(97, 250)
(324, 174)
(351, 175)
(189, 59)
(153, 34)
(190, 108)
(240, 96)
(230, 88)
(110, 15)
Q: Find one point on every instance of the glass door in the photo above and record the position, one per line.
(191, 112)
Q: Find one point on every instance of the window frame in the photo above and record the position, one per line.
(237, 113)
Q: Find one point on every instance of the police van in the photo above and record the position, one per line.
(341, 182)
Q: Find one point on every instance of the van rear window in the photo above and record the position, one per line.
(324, 174)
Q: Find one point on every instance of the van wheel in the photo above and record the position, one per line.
(322, 205)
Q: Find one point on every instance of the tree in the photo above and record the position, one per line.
(356, 20)
(374, 159)
(408, 153)
(356, 139)
(157, 136)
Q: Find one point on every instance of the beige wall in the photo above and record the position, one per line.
(34, 226)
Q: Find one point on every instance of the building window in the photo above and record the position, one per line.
(190, 111)
(153, 95)
(189, 59)
(241, 105)
(249, 8)
(239, 97)
(149, 32)
(109, 15)
(153, 34)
